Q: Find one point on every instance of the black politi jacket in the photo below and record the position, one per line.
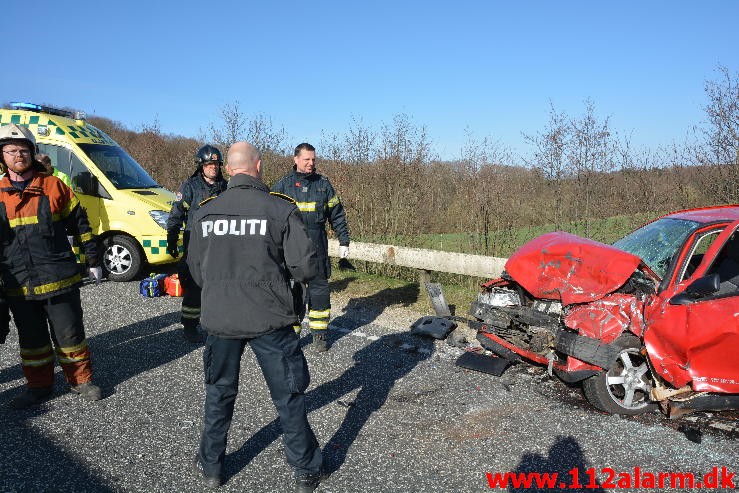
(245, 246)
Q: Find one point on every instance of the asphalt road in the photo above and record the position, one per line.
(392, 412)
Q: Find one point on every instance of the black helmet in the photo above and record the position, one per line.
(208, 154)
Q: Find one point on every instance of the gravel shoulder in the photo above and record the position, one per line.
(391, 410)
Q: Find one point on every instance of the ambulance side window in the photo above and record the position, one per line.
(83, 181)
(59, 156)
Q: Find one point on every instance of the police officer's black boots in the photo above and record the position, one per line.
(190, 331)
(307, 483)
(319, 340)
(209, 481)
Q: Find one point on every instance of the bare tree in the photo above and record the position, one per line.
(231, 128)
(550, 159)
(722, 133)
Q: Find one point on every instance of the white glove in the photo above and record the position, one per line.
(343, 251)
(96, 274)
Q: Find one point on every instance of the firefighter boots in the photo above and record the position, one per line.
(31, 396)
(88, 391)
(190, 332)
(319, 341)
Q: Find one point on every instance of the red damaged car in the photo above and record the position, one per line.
(651, 320)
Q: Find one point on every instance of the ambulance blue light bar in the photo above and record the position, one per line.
(42, 109)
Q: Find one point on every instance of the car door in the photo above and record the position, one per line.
(695, 340)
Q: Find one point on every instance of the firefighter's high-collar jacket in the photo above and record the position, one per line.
(192, 192)
(245, 245)
(36, 258)
(317, 201)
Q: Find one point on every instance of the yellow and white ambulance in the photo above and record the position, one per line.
(128, 210)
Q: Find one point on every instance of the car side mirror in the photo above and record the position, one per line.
(699, 288)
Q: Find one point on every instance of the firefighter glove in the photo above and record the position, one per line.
(172, 245)
(96, 274)
(344, 251)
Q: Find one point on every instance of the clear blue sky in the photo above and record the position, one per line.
(491, 66)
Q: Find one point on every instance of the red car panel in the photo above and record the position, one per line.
(566, 267)
(608, 317)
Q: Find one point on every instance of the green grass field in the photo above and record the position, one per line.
(502, 243)
(384, 285)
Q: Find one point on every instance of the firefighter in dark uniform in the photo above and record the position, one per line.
(207, 181)
(318, 203)
(245, 247)
(39, 271)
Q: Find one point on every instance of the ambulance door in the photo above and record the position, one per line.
(83, 185)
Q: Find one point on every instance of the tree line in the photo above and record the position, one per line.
(580, 174)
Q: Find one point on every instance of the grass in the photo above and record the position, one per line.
(502, 243)
(387, 286)
(378, 286)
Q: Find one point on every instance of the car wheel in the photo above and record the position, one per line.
(122, 258)
(625, 387)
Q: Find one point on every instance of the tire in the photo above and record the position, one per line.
(122, 258)
(624, 388)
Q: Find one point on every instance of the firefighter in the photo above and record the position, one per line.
(40, 275)
(207, 181)
(252, 244)
(318, 204)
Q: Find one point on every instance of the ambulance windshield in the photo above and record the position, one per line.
(119, 167)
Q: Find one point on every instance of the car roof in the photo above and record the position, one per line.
(708, 214)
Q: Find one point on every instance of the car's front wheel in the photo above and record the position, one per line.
(625, 387)
(122, 258)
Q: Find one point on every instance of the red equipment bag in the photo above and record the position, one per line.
(172, 286)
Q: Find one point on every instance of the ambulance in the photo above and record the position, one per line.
(127, 209)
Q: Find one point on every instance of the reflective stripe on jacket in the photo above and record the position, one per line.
(35, 256)
(317, 201)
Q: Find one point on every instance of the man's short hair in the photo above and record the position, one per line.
(304, 147)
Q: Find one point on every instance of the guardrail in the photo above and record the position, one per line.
(423, 260)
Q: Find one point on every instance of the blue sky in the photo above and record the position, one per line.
(489, 66)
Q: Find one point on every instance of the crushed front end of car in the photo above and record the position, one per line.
(574, 305)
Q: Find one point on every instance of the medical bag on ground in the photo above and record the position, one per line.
(152, 286)
(173, 286)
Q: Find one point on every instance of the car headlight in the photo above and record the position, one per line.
(161, 218)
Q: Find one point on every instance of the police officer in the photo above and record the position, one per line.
(252, 243)
(318, 203)
(207, 181)
(39, 271)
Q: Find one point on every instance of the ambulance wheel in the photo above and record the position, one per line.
(624, 388)
(122, 258)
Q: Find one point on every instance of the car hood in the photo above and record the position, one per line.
(562, 266)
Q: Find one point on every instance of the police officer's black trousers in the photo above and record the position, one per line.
(286, 373)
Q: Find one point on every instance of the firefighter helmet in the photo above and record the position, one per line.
(15, 133)
(208, 154)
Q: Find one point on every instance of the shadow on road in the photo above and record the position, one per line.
(399, 353)
(31, 461)
(566, 458)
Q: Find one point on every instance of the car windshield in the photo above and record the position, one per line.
(657, 242)
(119, 167)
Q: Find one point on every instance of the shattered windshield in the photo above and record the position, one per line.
(119, 167)
(657, 242)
